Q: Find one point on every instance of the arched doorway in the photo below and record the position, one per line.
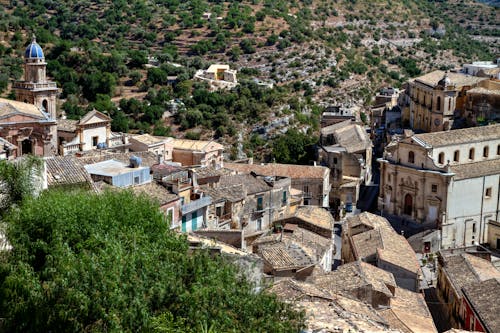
(408, 208)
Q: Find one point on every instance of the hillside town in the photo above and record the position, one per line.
(395, 227)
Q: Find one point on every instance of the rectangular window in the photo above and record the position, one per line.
(218, 211)
(95, 141)
(434, 188)
(306, 189)
(334, 160)
(259, 224)
(473, 228)
(170, 216)
(488, 192)
(456, 156)
(137, 180)
(260, 203)
(486, 151)
(284, 197)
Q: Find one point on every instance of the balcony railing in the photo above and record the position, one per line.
(35, 86)
(70, 148)
(116, 141)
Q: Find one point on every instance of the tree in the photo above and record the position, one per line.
(17, 180)
(109, 262)
(293, 147)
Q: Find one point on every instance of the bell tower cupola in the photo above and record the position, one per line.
(36, 89)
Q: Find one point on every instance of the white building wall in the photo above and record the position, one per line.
(464, 152)
(89, 133)
(469, 210)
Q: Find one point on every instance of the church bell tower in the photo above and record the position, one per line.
(35, 89)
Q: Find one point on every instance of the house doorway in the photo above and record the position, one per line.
(27, 147)
(408, 208)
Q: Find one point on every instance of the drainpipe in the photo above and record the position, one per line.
(498, 202)
(481, 214)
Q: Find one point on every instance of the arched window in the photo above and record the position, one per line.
(441, 158)
(45, 105)
(486, 151)
(411, 157)
(471, 153)
(438, 104)
(456, 156)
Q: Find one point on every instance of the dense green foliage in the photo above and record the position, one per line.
(109, 263)
(294, 148)
(16, 180)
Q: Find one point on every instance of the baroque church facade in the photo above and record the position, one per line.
(29, 123)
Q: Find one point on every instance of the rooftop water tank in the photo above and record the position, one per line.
(135, 161)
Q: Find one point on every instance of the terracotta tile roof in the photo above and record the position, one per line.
(383, 242)
(156, 192)
(251, 184)
(483, 91)
(232, 193)
(326, 312)
(466, 269)
(349, 278)
(66, 125)
(457, 79)
(409, 313)
(352, 137)
(460, 136)
(283, 170)
(317, 216)
(149, 139)
(66, 170)
(196, 145)
(148, 158)
(281, 256)
(477, 169)
(9, 107)
(205, 172)
(485, 299)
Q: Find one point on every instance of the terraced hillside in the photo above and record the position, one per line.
(314, 51)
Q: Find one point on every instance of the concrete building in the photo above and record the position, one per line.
(197, 153)
(477, 66)
(372, 239)
(448, 180)
(248, 202)
(218, 76)
(346, 150)
(437, 98)
(483, 103)
(160, 146)
(91, 132)
(312, 181)
(119, 174)
(494, 234)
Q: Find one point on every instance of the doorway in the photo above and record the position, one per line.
(408, 208)
(27, 147)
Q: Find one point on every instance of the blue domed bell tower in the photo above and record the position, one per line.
(36, 89)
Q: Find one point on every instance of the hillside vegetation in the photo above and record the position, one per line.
(315, 52)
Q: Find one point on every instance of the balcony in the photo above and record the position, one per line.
(35, 86)
(196, 204)
(67, 149)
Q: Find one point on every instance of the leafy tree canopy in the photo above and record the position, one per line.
(109, 263)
